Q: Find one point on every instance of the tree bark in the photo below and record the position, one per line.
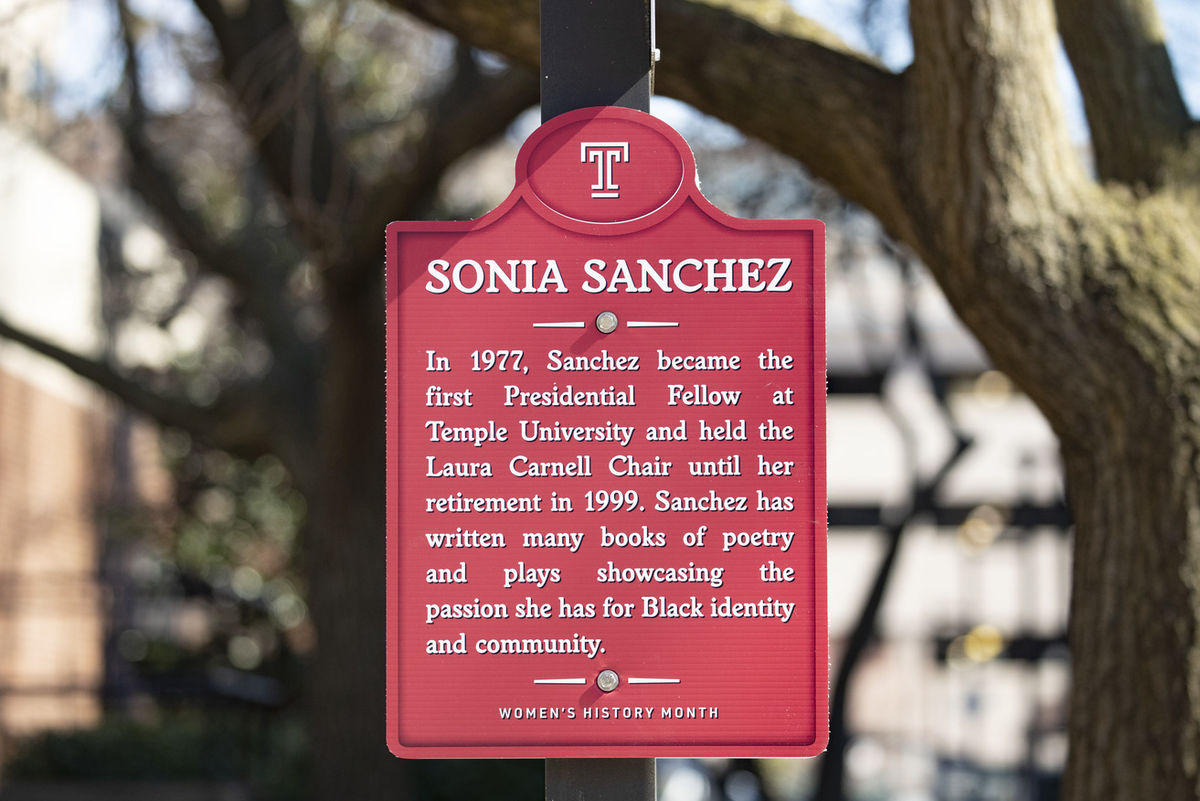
(1119, 54)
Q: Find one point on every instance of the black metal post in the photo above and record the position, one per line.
(597, 53)
(600, 780)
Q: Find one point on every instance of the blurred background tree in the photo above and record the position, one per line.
(307, 127)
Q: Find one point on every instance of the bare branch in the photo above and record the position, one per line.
(279, 92)
(247, 260)
(814, 98)
(244, 262)
(236, 424)
(1136, 111)
(132, 78)
(475, 109)
(502, 26)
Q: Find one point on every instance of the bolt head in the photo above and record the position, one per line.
(608, 680)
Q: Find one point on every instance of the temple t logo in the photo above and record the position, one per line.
(605, 154)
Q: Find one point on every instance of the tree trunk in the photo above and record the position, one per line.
(1135, 700)
(346, 560)
(1089, 297)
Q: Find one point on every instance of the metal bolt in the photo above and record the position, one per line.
(606, 322)
(608, 680)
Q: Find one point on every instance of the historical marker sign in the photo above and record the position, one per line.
(606, 465)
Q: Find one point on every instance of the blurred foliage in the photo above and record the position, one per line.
(183, 746)
(123, 749)
(208, 632)
(381, 65)
(215, 584)
(209, 629)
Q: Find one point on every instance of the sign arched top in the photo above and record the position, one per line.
(610, 166)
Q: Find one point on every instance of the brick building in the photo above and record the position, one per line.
(54, 451)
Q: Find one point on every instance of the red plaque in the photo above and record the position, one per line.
(606, 465)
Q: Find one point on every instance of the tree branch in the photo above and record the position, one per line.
(815, 99)
(279, 92)
(236, 422)
(245, 262)
(502, 26)
(990, 146)
(132, 68)
(475, 109)
(1134, 106)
